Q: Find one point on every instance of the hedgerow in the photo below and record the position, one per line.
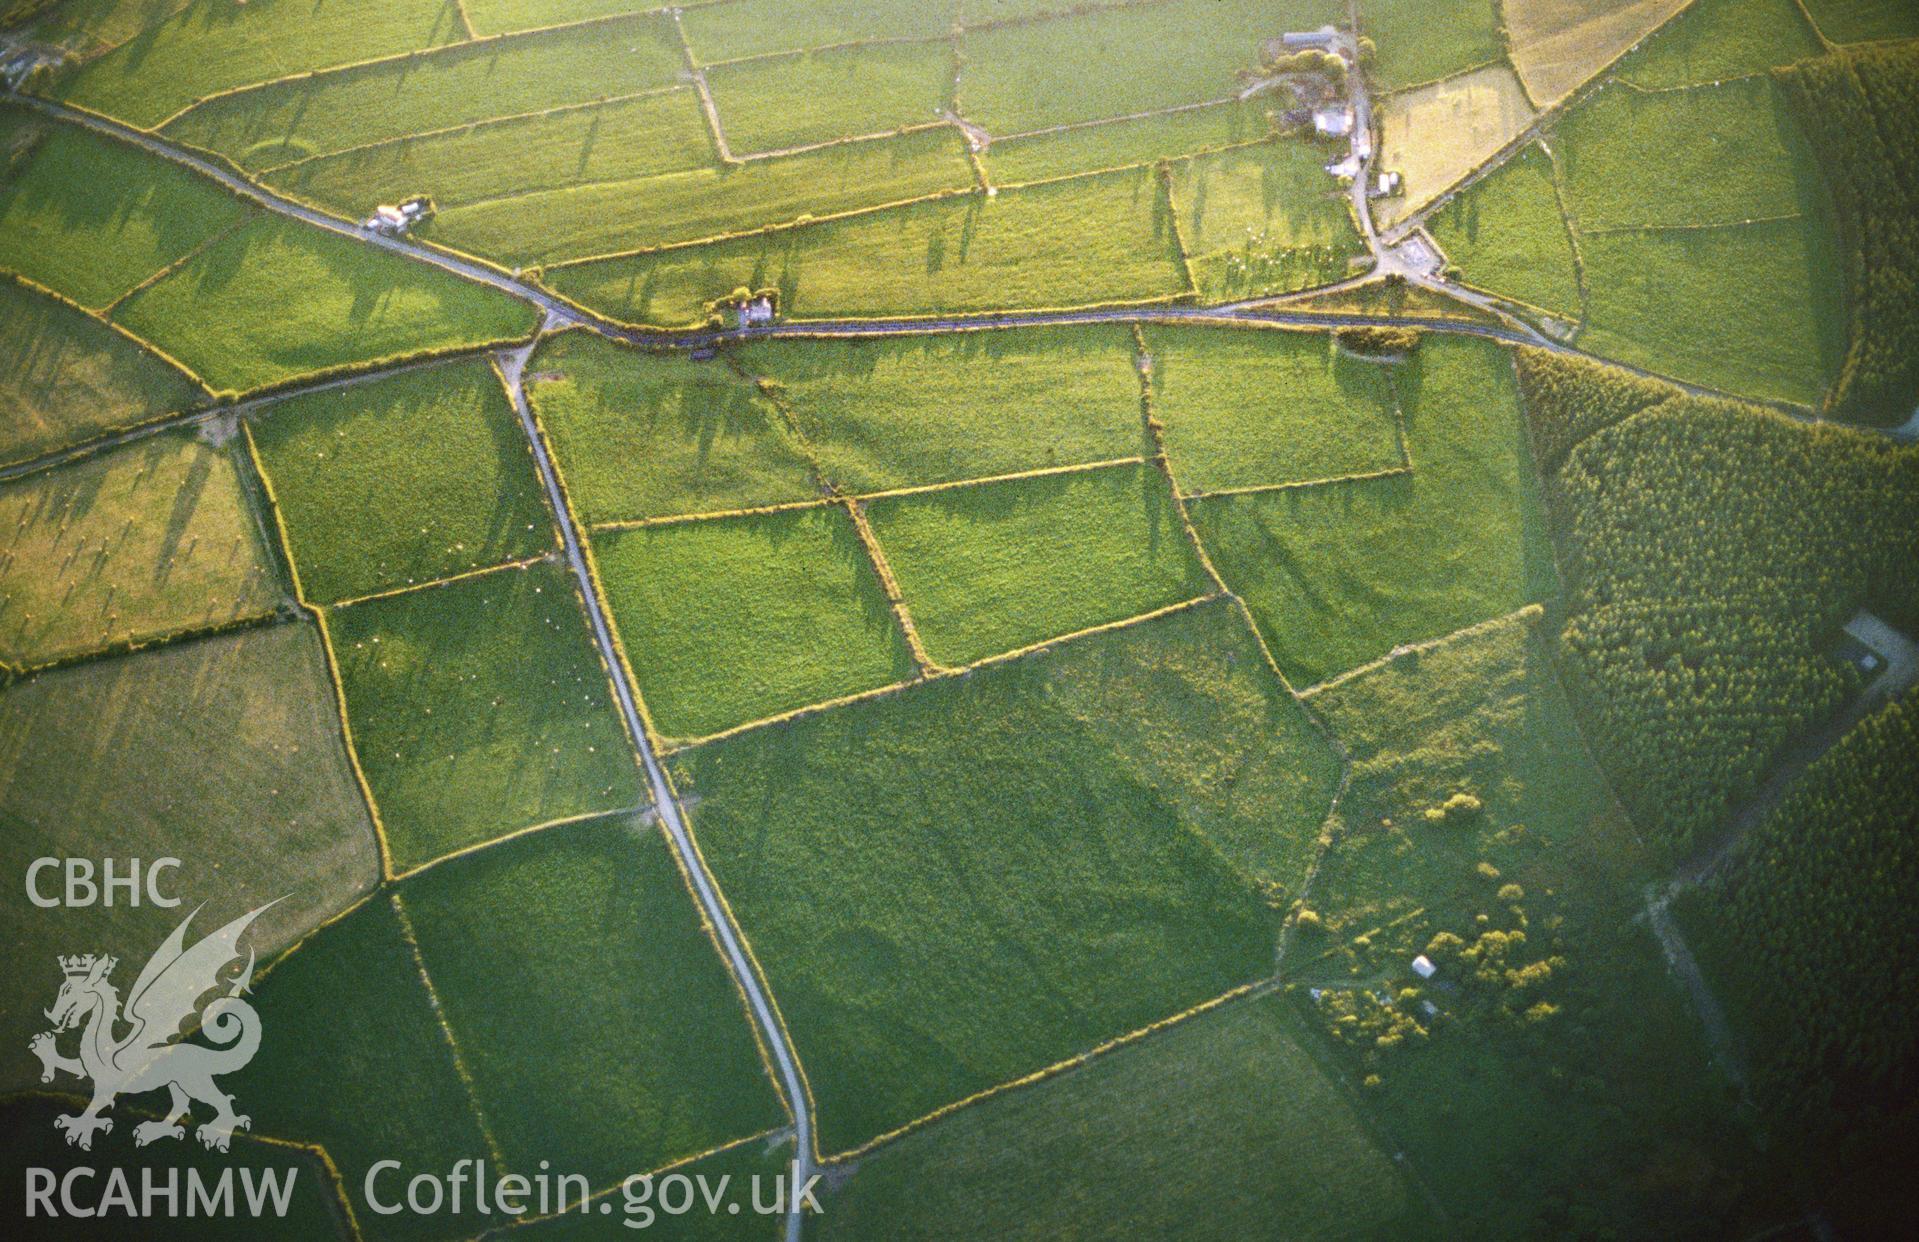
(1859, 105)
(1710, 551)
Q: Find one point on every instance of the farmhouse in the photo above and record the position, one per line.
(396, 220)
(1334, 121)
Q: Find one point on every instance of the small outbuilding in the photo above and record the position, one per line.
(1333, 122)
(1423, 967)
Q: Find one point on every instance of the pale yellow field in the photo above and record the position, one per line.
(1559, 44)
(1434, 135)
(144, 540)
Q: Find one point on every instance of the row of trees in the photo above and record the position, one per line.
(1818, 914)
(1861, 109)
(1710, 552)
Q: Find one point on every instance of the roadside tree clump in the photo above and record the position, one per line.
(1860, 107)
(1379, 342)
(1710, 552)
(1816, 922)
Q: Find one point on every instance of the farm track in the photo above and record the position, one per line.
(713, 908)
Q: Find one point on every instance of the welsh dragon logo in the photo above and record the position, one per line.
(152, 1053)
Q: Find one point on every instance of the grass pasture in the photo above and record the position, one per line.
(1249, 408)
(729, 620)
(65, 376)
(90, 217)
(1263, 219)
(1066, 243)
(213, 45)
(456, 85)
(1422, 41)
(1557, 45)
(1435, 135)
(1717, 39)
(1604, 1108)
(1341, 574)
(659, 132)
(376, 1080)
(1862, 21)
(575, 222)
(1020, 78)
(909, 411)
(146, 540)
(997, 566)
(29, 1129)
(591, 921)
(1120, 144)
(1676, 302)
(1286, 1152)
(470, 497)
(1708, 155)
(730, 31)
(225, 753)
(638, 436)
(491, 17)
(1057, 869)
(1507, 234)
(791, 101)
(480, 708)
(225, 313)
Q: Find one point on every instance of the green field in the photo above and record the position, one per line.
(491, 17)
(1755, 309)
(991, 568)
(1708, 155)
(790, 101)
(1338, 575)
(1068, 243)
(375, 1080)
(729, 31)
(1423, 40)
(65, 376)
(452, 86)
(1119, 61)
(967, 881)
(30, 1131)
(1264, 219)
(149, 539)
(1284, 1152)
(1118, 144)
(214, 45)
(1603, 1106)
(659, 132)
(1248, 408)
(479, 708)
(225, 753)
(1859, 21)
(90, 217)
(613, 217)
(639, 436)
(471, 498)
(906, 411)
(1507, 234)
(1717, 39)
(727, 621)
(584, 943)
(225, 313)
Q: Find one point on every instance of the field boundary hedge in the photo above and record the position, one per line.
(1529, 614)
(770, 1137)
(33, 286)
(845, 45)
(477, 847)
(1164, 171)
(179, 636)
(460, 1067)
(193, 252)
(524, 562)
